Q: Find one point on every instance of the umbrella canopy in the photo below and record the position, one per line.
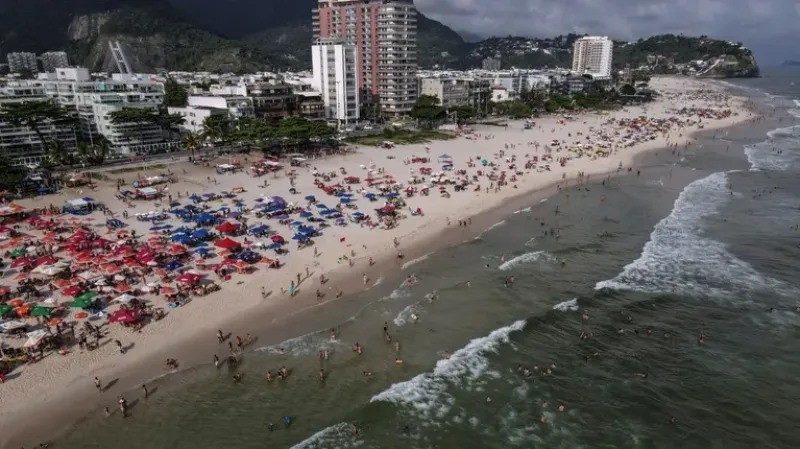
(123, 316)
(189, 278)
(42, 311)
(80, 304)
(228, 227)
(4, 309)
(72, 291)
(174, 265)
(19, 252)
(22, 262)
(88, 296)
(227, 243)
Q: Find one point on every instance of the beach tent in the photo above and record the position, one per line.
(228, 227)
(227, 243)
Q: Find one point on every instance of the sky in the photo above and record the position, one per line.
(771, 28)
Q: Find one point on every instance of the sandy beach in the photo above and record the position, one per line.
(58, 389)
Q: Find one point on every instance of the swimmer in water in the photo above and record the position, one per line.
(561, 408)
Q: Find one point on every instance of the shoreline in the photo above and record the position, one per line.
(191, 352)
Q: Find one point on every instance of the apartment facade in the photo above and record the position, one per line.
(93, 101)
(384, 33)
(53, 60)
(236, 105)
(194, 116)
(593, 55)
(19, 61)
(336, 78)
(272, 99)
(23, 144)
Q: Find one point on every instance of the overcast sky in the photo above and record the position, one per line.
(770, 27)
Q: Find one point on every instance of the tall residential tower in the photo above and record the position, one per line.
(592, 55)
(384, 33)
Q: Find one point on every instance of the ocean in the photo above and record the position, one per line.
(611, 280)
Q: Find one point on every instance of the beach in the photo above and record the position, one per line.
(59, 388)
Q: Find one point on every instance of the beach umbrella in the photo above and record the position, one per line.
(228, 227)
(299, 237)
(22, 262)
(80, 304)
(4, 309)
(306, 214)
(189, 278)
(346, 200)
(123, 316)
(274, 246)
(321, 206)
(310, 198)
(88, 296)
(42, 311)
(81, 315)
(55, 321)
(72, 291)
(227, 243)
(172, 266)
(19, 252)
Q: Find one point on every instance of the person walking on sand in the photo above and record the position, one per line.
(220, 337)
(98, 385)
(366, 279)
(144, 390)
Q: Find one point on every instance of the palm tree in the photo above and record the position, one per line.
(57, 153)
(192, 141)
(34, 114)
(217, 128)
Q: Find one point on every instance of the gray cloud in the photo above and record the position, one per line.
(770, 27)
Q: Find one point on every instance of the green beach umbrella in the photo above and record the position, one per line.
(4, 309)
(80, 303)
(19, 252)
(88, 296)
(42, 311)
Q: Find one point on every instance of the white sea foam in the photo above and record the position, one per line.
(679, 258)
(499, 223)
(427, 392)
(306, 344)
(567, 306)
(527, 209)
(338, 436)
(763, 155)
(525, 258)
(415, 261)
(404, 316)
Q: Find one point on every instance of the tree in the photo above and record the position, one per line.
(135, 116)
(175, 94)
(34, 114)
(627, 89)
(218, 128)
(169, 122)
(57, 153)
(192, 141)
(463, 114)
(518, 109)
(94, 153)
(428, 111)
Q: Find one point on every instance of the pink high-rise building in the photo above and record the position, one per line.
(385, 35)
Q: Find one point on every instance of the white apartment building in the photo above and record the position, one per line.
(19, 61)
(23, 144)
(94, 100)
(236, 105)
(194, 116)
(593, 55)
(336, 77)
(450, 91)
(53, 60)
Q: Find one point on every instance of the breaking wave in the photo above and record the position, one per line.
(525, 258)
(765, 156)
(680, 259)
(567, 306)
(427, 392)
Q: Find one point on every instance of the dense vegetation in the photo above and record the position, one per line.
(400, 137)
